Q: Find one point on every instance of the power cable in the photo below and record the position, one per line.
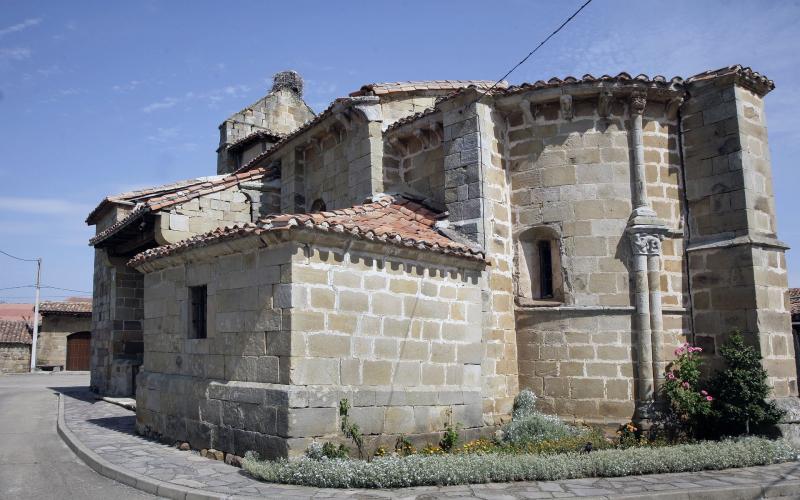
(18, 258)
(551, 35)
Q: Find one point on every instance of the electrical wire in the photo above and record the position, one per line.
(18, 258)
(64, 289)
(551, 35)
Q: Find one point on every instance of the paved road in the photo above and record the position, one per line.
(34, 461)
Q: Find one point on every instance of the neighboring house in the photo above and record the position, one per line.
(15, 346)
(794, 304)
(427, 248)
(64, 335)
(16, 311)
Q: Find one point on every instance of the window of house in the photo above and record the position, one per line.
(198, 312)
(538, 266)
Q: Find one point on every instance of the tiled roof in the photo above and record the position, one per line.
(255, 136)
(747, 77)
(794, 300)
(658, 81)
(412, 118)
(390, 87)
(75, 308)
(15, 332)
(133, 197)
(185, 193)
(390, 220)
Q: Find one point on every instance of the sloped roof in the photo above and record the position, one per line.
(794, 300)
(658, 80)
(133, 197)
(753, 80)
(15, 332)
(255, 136)
(167, 198)
(391, 87)
(69, 308)
(390, 220)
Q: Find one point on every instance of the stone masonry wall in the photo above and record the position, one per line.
(203, 214)
(15, 358)
(419, 166)
(572, 174)
(224, 391)
(476, 191)
(738, 267)
(292, 330)
(336, 167)
(399, 337)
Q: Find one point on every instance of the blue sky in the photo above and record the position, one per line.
(101, 97)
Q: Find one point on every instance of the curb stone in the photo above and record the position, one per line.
(138, 481)
(784, 489)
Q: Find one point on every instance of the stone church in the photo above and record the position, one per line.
(429, 248)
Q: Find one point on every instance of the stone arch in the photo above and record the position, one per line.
(538, 265)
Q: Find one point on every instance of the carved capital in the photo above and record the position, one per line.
(646, 243)
(638, 102)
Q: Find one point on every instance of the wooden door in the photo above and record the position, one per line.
(78, 351)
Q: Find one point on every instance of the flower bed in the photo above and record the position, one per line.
(452, 469)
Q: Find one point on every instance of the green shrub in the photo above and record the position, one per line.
(530, 426)
(317, 451)
(451, 469)
(351, 430)
(741, 390)
(450, 437)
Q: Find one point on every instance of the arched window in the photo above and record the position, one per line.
(538, 259)
(318, 205)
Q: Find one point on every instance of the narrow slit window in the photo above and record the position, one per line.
(198, 312)
(545, 270)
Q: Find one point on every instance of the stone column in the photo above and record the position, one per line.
(656, 318)
(645, 230)
(641, 202)
(641, 323)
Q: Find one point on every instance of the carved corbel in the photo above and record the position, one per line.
(336, 130)
(345, 119)
(673, 106)
(316, 143)
(398, 145)
(437, 131)
(566, 107)
(638, 102)
(604, 103)
(528, 115)
(423, 138)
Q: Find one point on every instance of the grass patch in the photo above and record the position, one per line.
(470, 468)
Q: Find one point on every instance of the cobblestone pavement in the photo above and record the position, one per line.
(108, 430)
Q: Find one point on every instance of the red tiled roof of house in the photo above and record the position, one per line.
(794, 300)
(183, 194)
(390, 220)
(15, 332)
(622, 78)
(70, 308)
(15, 311)
(132, 197)
(390, 87)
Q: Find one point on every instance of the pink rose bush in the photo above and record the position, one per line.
(687, 401)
